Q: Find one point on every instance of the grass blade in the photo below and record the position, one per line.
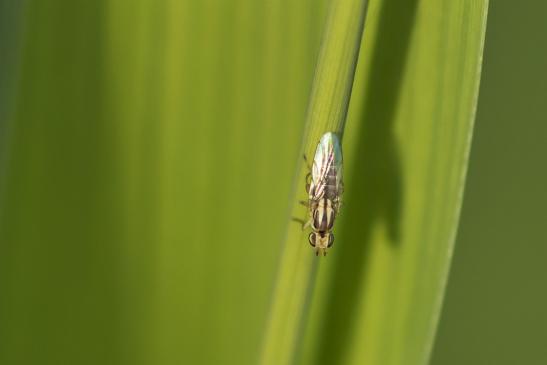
(379, 294)
(327, 112)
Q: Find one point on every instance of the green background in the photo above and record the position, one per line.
(495, 308)
(90, 224)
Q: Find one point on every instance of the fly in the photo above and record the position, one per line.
(325, 186)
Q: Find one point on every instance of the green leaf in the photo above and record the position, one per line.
(327, 112)
(146, 180)
(379, 293)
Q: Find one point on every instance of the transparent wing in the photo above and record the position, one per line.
(327, 164)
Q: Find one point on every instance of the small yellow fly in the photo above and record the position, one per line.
(325, 185)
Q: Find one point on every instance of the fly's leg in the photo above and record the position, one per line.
(308, 175)
(337, 204)
(301, 221)
(305, 224)
(306, 203)
(308, 183)
(307, 162)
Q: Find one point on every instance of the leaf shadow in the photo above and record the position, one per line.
(374, 195)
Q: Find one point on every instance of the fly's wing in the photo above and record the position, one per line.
(338, 165)
(323, 162)
(328, 161)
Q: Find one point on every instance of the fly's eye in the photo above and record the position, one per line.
(311, 238)
(331, 240)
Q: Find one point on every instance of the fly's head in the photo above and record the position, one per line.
(321, 241)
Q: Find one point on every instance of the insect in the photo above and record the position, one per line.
(325, 186)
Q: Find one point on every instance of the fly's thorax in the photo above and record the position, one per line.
(323, 214)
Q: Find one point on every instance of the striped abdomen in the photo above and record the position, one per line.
(323, 215)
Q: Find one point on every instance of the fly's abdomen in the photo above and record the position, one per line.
(331, 188)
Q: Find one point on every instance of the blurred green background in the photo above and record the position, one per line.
(495, 309)
(145, 145)
(105, 226)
